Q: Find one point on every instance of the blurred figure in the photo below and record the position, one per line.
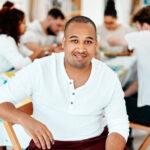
(111, 32)
(42, 35)
(138, 108)
(12, 26)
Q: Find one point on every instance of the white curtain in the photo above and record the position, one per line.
(123, 8)
(93, 9)
(39, 9)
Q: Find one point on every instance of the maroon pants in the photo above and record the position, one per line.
(96, 143)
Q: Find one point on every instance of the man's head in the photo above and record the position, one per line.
(142, 18)
(80, 42)
(55, 21)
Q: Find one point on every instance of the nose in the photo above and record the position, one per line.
(81, 48)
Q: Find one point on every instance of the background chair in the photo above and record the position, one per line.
(27, 108)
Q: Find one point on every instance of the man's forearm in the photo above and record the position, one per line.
(9, 113)
(115, 142)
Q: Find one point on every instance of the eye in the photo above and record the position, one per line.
(74, 41)
(88, 42)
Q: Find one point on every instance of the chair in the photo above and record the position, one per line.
(146, 142)
(27, 108)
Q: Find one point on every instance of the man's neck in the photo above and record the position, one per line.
(78, 75)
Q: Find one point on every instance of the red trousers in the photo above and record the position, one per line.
(96, 143)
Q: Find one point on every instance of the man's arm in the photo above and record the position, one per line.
(17, 89)
(40, 134)
(117, 119)
(115, 142)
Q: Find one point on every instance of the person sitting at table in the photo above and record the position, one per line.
(12, 26)
(74, 91)
(43, 34)
(111, 32)
(138, 106)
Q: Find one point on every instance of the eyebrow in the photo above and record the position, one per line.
(74, 36)
(89, 37)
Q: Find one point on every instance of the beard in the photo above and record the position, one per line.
(50, 32)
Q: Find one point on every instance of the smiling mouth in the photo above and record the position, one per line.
(80, 56)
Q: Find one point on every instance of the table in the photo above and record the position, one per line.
(124, 66)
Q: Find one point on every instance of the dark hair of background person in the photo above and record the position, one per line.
(8, 4)
(10, 20)
(110, 9)
(56, 13)
(142, 16)
(80, 19)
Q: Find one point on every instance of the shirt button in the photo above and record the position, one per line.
(73, 93)
(71, 103)
(70, 82)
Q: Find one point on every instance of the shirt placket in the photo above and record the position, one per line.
(72, 94)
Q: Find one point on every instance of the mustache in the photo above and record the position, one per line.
(83, 54)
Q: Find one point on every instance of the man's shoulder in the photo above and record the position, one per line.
(49, 60)
(103, 67)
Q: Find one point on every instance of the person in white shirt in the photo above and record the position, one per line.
(111, 32)
(43, 34)
(12, 26)
(70, 93)
(138, 108)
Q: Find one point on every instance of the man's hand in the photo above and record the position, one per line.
(40, 134)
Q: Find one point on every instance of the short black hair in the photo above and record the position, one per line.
(142, 16)
(56, 13)
(80, 19)
(110, 9)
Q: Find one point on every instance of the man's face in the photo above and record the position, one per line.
(110, 22)
(55, 25)
(79, 44)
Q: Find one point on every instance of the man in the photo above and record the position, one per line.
(42, 35)
(70, 91)
(139, 108)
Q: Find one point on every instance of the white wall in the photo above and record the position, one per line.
(93, 9)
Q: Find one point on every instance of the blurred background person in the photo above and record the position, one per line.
(138, 107)
(42, 35)
(111, 32)
(12, 26)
